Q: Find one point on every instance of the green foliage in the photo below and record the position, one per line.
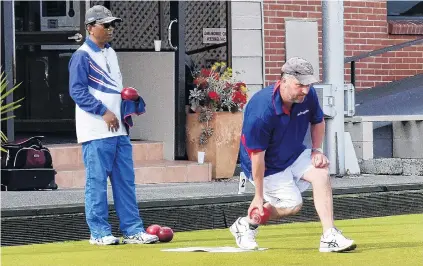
(5, 108)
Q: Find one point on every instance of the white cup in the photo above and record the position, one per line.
(157, 45)
(201, 155)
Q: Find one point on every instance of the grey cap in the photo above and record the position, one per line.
(301, 69)
(99, 14)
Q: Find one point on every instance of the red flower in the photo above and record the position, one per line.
(238, 85)
(239, 97)
(200, 82)
(214, 96)
(205, 72)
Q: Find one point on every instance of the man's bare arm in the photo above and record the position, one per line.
(257, 168)
(317, 134)
(318, 159)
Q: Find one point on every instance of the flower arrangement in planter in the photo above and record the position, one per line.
(214, 129)
(216, 91)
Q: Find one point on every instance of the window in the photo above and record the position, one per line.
(405, 10)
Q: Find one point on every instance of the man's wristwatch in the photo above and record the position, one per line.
(317, 149)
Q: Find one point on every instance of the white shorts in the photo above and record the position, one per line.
(283, 189)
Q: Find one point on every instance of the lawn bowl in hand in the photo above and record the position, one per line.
(260, 219)
(129, 93)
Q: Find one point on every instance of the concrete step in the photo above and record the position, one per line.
(70, 155)
(147, 172)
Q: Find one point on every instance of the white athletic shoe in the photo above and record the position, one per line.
(244, 236)
(105, 240)
(140, 238)
(333, 241)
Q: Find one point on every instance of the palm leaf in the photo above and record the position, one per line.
(10, 109)
(10, 106)
(3, 139)
(7, 118)
(4, 92)
(3, 96)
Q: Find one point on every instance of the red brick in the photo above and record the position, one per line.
(269, 13)
(276, 20)
(364, 35)
(301, 3)
(315, 15)
(387, 78)
(271, 64)
(402, 66)
(416, 66)
(374, 42)
(270, 26)
(283, 13)
(401, 54)
(308, 8)
(409, 60)
(274, 33)
(395, 60)
(277, 58)
(383, 60)
(416, 54)
(275, 45)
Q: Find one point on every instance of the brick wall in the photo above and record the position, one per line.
(366, 29)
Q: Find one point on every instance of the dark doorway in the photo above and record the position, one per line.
(46, 35)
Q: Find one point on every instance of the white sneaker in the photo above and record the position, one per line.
(105, 240)
(333, 241)
(140, 238)
(244, 236)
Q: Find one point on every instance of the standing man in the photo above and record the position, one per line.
(95, 83)
(276, 161)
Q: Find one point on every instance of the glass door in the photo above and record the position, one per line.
(46, 35)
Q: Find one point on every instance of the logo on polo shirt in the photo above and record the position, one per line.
(303, 112)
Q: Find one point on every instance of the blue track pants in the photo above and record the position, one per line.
(110, 157)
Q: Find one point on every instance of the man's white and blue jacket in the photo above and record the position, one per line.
(95, 83)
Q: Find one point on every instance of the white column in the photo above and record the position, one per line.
(333, 73)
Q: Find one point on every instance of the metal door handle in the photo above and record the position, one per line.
(170, 33)
(44, 60)
(77, 37)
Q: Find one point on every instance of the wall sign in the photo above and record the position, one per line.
(214, 35)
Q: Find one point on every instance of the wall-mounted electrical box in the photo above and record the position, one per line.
(327, 100)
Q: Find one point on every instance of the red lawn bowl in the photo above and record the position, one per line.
(129, 93)
(260, 219)
(153, 229)
(165, 234)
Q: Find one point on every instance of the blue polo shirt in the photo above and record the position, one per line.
(269, 127)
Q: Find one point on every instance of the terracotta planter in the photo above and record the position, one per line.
(223, 146)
